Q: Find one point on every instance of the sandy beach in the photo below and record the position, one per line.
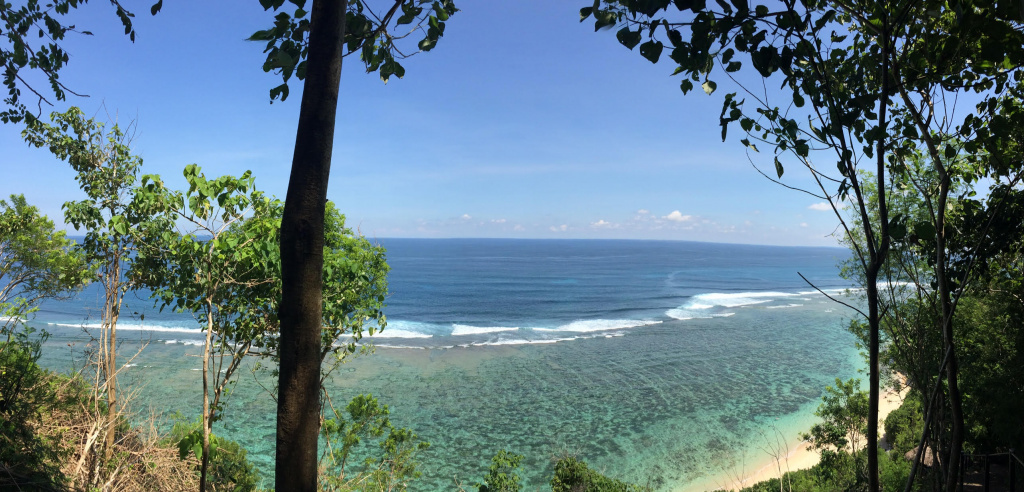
(800, 454)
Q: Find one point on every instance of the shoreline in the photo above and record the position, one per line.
(800, 457)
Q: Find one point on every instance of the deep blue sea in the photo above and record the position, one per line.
(672, 364)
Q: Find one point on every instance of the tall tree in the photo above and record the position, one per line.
(313, 49)
(219, 268)
(107, 171)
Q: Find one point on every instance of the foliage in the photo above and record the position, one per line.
(230, 468)
(836, 472)
(30, 40)
(26, 393)
(219, 270)
(572, 475)
(367, 32)
(502, 476)
(392, 469)
(36, 261)
(903, 426)
(844, 414)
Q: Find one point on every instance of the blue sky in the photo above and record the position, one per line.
(521, 123)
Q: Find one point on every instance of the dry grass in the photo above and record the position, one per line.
(68, 427)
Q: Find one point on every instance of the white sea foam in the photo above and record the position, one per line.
(185, 342)
(132, 327)
(703, 305)
(383, 345)
(589, 325)
(459, 330)
(785, 306)
(397, 333)
(519, 341)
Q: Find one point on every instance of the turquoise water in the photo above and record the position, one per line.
(668, 364)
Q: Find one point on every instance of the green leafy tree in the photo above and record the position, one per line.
(36, 262)
(312, 49)
(222, 269)
(229, 467)
(572, 474)
(844, 414)
(107, 172)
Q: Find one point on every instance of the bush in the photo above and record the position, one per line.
(26, 393)
(572, 475)
(229, 467)
(502, 476)
(904, 425)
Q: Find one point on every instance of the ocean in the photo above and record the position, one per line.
(678, 365)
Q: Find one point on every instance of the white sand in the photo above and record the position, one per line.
(800, 456)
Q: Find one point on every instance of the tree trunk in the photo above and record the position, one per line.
(302, 242)
(956, 438)
(112, 311)
(877, 261)
(207, 415)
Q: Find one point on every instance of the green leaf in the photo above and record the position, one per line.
(651, 50)
(628, 38)
(427, 44)
(778, 167)
(709, 87)
(924, 230)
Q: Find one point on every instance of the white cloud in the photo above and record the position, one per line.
(518, 228)
(498, 221)
(466, 217)
(803, 224)
(821, 207)
(604, 224)
(677, 216)
(643, 211)
(561, 228)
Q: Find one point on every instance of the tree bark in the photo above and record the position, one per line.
(207, 415)
(956, 438)
(112, 310)
(302, 242)
(877, 261)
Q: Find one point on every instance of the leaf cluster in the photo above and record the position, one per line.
(393, 466)
(572, 474)
(230, 468)
(502, 476)
(36, 261)
(370, 31)
(844, 414)
(30, 40)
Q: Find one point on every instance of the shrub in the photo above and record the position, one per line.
(572, 475)
(229, 467)
(502, 476)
